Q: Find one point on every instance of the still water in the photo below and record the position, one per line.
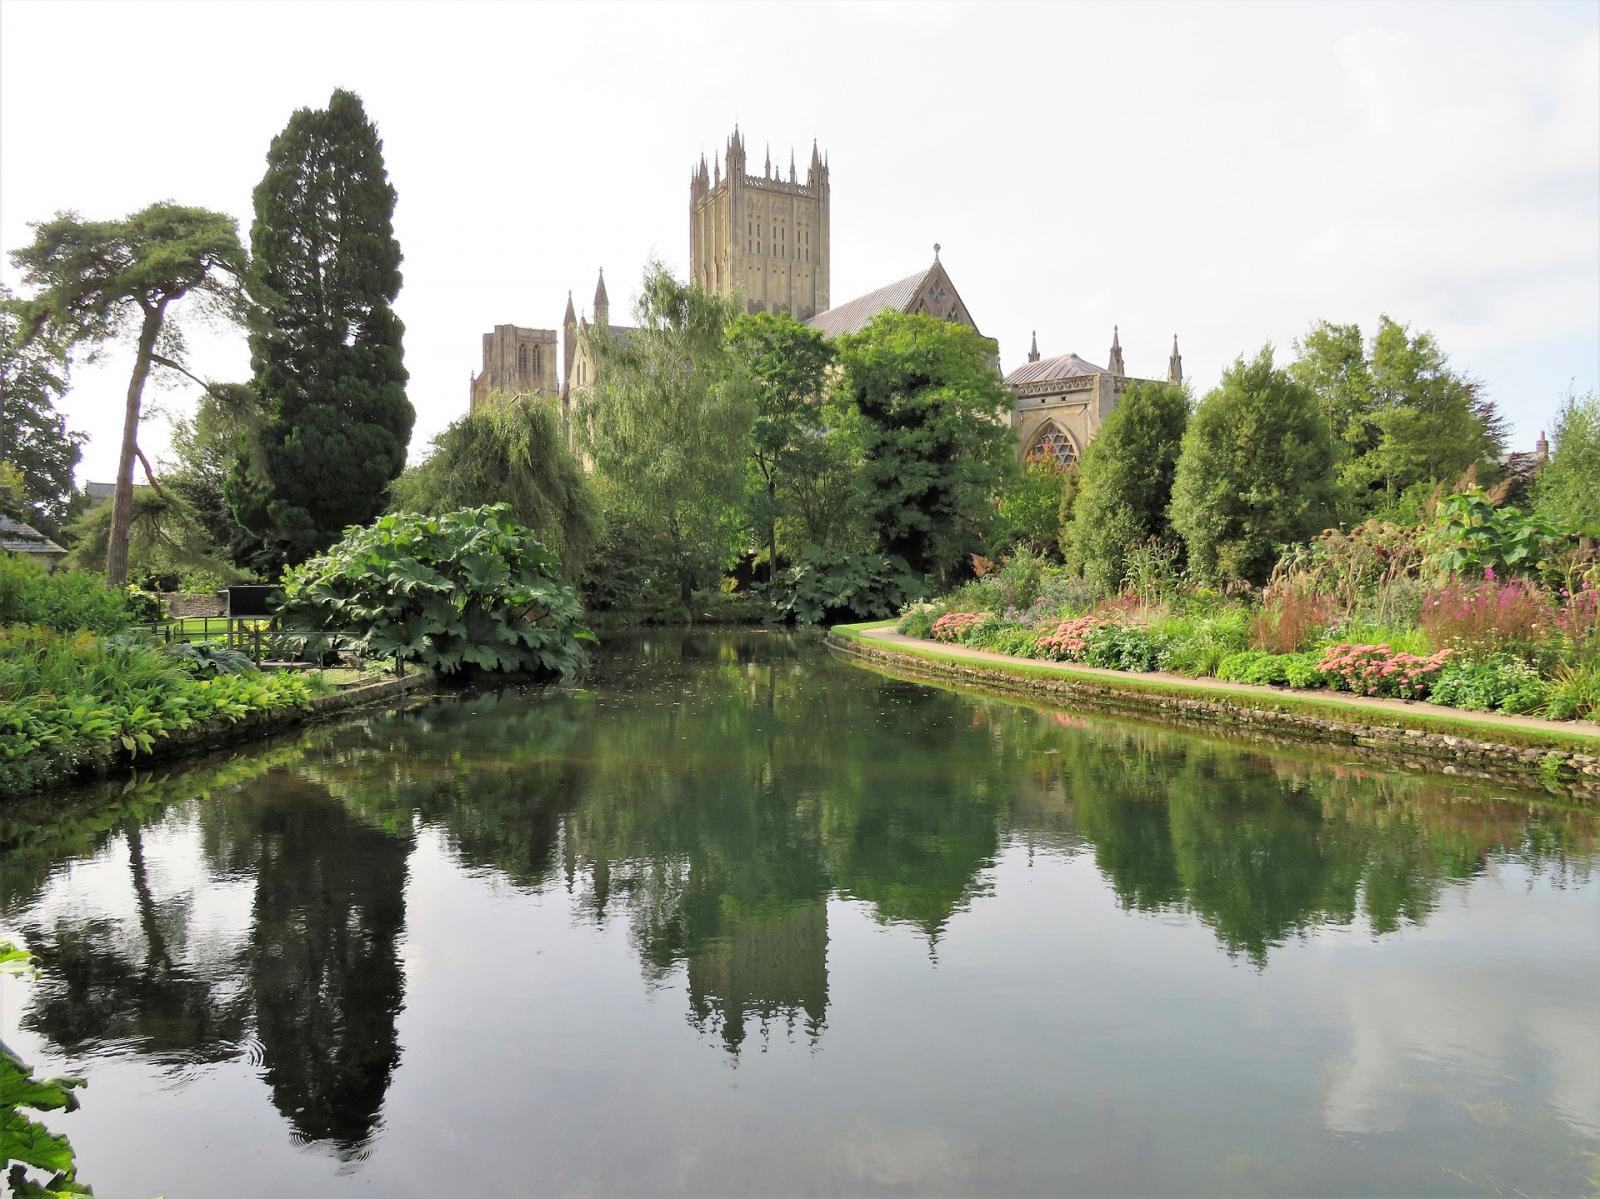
(734, 917)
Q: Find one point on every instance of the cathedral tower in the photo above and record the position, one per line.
(762, 236)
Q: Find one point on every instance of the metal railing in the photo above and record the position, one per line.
(262, 639)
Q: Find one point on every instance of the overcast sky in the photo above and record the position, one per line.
(1229, 173)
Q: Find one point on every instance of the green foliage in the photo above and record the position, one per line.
(470, 589)
(936, 448)
(1125, 647)
(1401, 416)
(1497, 684)
(1126, 482)
(37, 443)
(165, 540)
(67, 701)
(26, 1145)
(143, 607)
(208, 661)
(1255, 472)
(96, 281)
(511, 450)
(1471, 535)
(918, 622)
(63, 600)
(1198, 643)
(204, 449)
(326, 351)
(1272, 670)
(1575, 692)
(1565, 495)
(786, 365)
(666, 423)
(827, 589)
(1031, 505)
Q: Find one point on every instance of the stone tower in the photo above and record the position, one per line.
(761, 236)
(516, 360)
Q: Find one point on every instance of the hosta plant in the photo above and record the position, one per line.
(468, 589)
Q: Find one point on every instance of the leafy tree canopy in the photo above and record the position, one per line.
(1567, 492)
(787, 365)
(37, 444)
(326, 351)
(937, 449)
(511, 450)
(97, 281)
(1399, 415)
(1255, 472)
(667, 425)
(1125, 480)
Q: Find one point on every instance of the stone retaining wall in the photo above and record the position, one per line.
(1573, 774)
(193, 603)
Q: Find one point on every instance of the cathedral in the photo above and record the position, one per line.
(765, 239)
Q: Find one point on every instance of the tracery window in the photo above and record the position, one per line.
(522, 359)
(1052, 442)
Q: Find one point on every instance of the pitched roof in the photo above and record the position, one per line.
(18, 538)
(1063, 366)
(852, 316)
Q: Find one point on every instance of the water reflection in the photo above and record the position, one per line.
(716, 797)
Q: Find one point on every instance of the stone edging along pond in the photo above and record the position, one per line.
(1564, 761)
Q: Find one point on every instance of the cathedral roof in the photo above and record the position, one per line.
(852, 316)
(1063, 366)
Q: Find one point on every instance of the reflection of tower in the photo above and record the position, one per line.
(330, 906)
(771, 964)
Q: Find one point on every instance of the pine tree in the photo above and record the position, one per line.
(326, 352)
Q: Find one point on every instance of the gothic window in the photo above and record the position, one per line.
(522, 359)
(537, 368)
(1051, 442)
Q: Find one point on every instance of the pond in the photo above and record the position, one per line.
(732, 916)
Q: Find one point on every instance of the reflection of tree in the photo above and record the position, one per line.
(325, 970)
(153, 992)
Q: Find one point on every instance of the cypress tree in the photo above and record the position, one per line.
(326, 351)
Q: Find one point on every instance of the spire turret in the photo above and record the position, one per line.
(1175, 364)
(769, 160)
(1115, 365)
(569, 344)
(1033, 350)
(793, 177)
(602, 303)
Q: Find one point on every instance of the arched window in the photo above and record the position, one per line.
(537, 364)
(522, 359)
(1052, 442)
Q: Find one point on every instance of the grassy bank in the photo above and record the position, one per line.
(1324, 705)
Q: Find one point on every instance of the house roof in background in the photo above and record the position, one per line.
(19, 538)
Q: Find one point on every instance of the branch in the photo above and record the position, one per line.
(211, 388)
(149, 474)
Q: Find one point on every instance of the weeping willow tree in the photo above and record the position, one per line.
(509, 450)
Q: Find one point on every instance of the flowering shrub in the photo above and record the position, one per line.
(1070, 640)
(1489, 615)
(1378, 670)
(954, 626)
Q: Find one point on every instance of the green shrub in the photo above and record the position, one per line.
(1010, 639)
(827, 589)
(207, 661)
(1271, 670)
(470, 588)
(1125, 647)
(918, 622)
(1498, 684)
(71, 699)
(1197, 644)
(1575, 693)
(63, 600)
(143, 606)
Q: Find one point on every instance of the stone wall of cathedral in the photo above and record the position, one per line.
(516, 360)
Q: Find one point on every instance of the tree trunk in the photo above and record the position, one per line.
(122, 502)
(772, 532)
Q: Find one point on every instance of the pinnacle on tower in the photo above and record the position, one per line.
(1115, 366)
(1033, 350)
(1175, 363)
(769, 160)
(602, 303)
(793, 178)
(568, 317)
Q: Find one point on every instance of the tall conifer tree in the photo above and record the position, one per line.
(326, 353)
